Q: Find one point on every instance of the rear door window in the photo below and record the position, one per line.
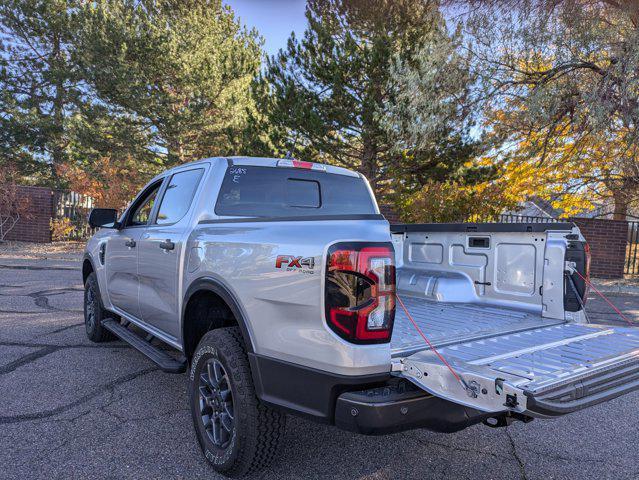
(178, 196)
(278, 192)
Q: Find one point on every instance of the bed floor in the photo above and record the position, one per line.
(448, 323)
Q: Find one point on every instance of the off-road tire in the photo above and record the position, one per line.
(257, 428)
(93, 303)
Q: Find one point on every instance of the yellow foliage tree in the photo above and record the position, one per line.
(563, 111)
(453, 201)
(112, 184)
(575, 170)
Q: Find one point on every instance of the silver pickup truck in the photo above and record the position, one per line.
(279, 287)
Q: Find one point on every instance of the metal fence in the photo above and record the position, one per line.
(70, 214)
(632, 249)
(511, 218)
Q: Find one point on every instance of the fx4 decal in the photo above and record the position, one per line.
(293, 263)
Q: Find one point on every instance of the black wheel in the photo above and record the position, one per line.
(237, 433)
(94, 312)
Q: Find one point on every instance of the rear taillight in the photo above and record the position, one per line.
(360, 291)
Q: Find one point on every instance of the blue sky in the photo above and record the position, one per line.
(273, 19)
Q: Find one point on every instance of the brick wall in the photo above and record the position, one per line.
(607, 240)
(389, 212)
(35, 228)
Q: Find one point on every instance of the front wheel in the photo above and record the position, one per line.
(237, 433)
(94, 312)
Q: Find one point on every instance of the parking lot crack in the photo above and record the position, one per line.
(41, 300)
(23, 312)
(562, 458)
(520, 462)
(9, 343)
(80, 401)
(461, 449)
(28, 358)
(61, 329)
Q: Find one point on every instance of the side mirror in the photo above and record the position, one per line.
(103, 217)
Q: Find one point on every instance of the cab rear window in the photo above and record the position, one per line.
(279, 192)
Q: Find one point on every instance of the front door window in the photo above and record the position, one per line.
(142, 210)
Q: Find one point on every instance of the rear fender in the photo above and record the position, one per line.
(216, 286)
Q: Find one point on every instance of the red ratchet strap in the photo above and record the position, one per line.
(604, 297)
(430, 345)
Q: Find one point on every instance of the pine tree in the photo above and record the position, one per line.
(39, 86)
(337, 93)
(181, 69)
(51, 119)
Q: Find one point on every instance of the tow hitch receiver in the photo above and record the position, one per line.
(506, 419)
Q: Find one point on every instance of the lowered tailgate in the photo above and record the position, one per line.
(542, 372)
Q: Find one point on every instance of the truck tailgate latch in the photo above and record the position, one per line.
(397, 367)
(408, 368)
(472, 389)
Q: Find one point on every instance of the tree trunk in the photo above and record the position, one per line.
(57, 154)
(621, 206)
(369, 161)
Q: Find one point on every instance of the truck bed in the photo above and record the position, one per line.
(449, 323)
(493, 299)
(465, 282)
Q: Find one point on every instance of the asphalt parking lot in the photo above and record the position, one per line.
(73, 409)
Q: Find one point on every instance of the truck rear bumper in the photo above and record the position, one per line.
(367, 404)
(305, 391)
(400, 406)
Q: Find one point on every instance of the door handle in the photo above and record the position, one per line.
(130, 243)
(167, 245)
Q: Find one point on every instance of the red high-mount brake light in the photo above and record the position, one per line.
(360, 291)
(290, 163)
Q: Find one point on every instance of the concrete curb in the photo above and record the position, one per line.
(616, 287)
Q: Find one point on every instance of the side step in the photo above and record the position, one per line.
(163, 360)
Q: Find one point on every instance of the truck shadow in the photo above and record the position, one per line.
(312, 450)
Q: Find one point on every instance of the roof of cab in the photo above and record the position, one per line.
(256, 161)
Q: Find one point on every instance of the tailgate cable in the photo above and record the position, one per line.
(571, 282)
(471, 391)
(589, 283)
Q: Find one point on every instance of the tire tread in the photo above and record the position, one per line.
(99, 333)
(258, 450)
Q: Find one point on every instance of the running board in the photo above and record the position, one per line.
(162, 359)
